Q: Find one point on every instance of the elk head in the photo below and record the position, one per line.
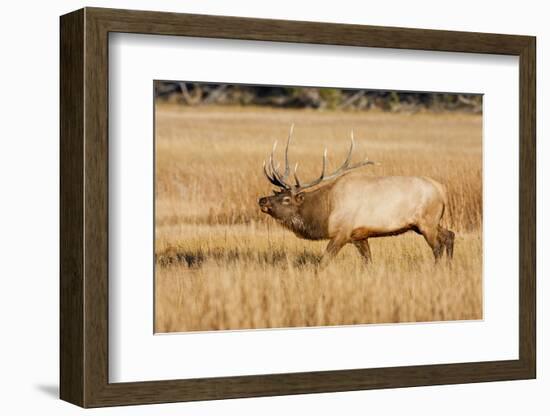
(285, 202)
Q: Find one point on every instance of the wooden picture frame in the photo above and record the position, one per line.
(84, 207)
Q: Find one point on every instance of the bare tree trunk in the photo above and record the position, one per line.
(194, 99)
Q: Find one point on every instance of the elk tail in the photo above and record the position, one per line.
(446, 207)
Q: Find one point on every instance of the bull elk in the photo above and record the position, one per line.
(348, 206)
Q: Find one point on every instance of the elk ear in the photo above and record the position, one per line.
(300, 197)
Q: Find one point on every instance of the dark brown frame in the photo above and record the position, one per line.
(84, 207)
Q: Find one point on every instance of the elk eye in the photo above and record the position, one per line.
(286, 200)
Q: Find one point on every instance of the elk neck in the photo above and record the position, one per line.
(311, 221)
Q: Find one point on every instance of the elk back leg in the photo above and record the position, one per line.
(447, 238)
(431, 234)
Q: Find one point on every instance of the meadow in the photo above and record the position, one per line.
(222, 264)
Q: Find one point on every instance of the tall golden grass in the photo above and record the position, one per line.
(222, 264)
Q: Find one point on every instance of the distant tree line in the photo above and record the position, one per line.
(197, 94)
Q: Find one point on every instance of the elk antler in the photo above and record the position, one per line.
(273, 175)
(280, 180)
(345, 167)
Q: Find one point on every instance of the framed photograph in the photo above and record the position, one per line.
(256, 207)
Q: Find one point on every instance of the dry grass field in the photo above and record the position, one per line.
(222, 264)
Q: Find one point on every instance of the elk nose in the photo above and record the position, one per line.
(265, 205)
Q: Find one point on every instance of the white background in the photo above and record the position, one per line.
(136, 355)
(29, 209)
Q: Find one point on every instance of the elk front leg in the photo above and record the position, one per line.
(333, 247)
(364, 249)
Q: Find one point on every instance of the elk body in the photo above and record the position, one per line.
(348, 206)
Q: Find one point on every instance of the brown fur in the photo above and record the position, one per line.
(315, 211)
